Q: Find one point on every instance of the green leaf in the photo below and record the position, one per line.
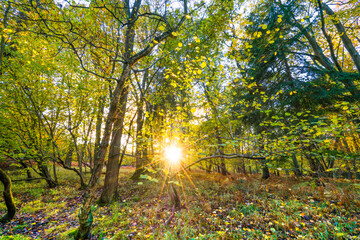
(144, 176)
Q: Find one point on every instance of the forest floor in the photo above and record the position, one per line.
(214, 207)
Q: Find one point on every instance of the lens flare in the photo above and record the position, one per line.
(173, 154)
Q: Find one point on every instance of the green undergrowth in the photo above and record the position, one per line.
(213, 207)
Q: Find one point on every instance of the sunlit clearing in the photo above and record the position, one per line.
(173, 154)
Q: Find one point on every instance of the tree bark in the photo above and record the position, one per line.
(9, 200)
(68, 158)
(46, 174)
(99, 121)
(113, 165)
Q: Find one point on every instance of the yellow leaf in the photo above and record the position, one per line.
(161, 28)
(199, 71)
(279, 20)
(264, 26)
(174, 34)
(180, 44)
(188, 17)
(203, 64)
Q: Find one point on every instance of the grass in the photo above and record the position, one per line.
(215, 207)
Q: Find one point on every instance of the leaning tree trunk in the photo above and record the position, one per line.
(9, 200)
(113, 165)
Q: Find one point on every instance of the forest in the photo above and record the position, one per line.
(180, 119)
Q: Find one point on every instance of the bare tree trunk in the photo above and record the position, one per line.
(8, 197)
(113, 165)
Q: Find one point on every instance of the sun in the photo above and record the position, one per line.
(173, 154)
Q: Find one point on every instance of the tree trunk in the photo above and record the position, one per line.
(222, 166)
(316, 166)
(99, 120)
(68, 159)
(46, 174)
(243, 167)
(8, 197)
(266, 172)
(113, 165)
(2, 42)
(174, 196)
(296, 166)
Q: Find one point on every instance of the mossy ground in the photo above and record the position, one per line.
(214, 207)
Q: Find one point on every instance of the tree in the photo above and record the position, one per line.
(9, 200)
